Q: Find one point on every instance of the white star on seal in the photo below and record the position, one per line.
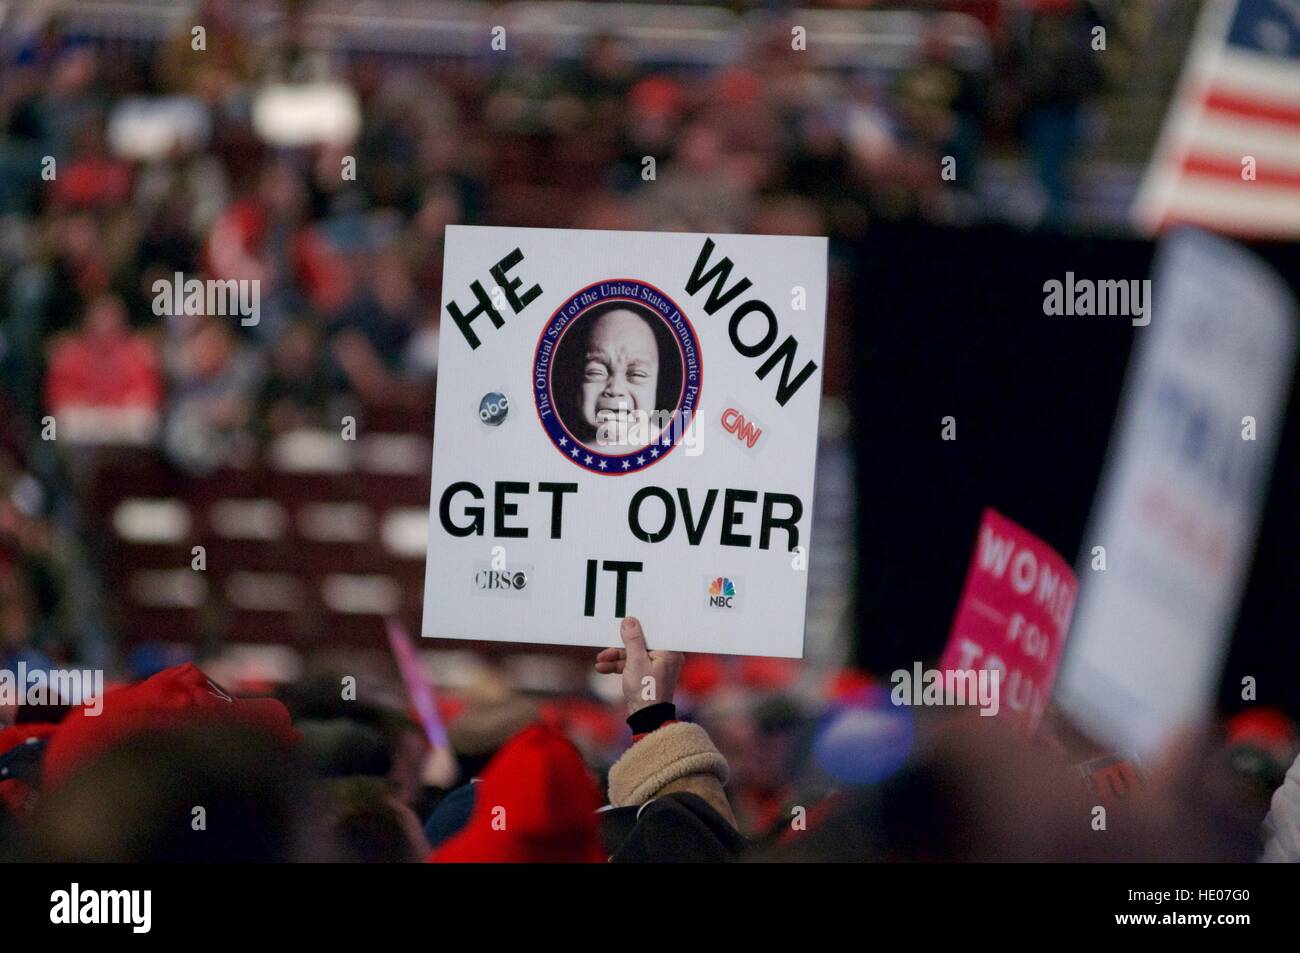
(602, 464)
(626, 465)
(587, 459)
(564, 441)
(574, 452)
(640, 461)
(654, 451)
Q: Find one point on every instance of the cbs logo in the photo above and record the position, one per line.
(496, 580)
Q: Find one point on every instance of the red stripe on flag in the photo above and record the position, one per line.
(1227, 169)
(1250, 107)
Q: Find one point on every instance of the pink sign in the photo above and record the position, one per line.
(1014, 615)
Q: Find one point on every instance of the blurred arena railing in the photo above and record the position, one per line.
(653, 33)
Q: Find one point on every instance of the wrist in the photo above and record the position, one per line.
(647, 719)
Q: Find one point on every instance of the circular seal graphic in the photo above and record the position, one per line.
(617, 376)
(492, 409)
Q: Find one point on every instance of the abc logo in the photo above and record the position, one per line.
(496, 580)
(492, 409)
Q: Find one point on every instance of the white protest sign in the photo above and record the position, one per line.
(1179, 502)
(626, 425)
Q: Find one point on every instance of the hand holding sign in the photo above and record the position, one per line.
(648, 677)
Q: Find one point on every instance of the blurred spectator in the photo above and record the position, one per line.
(1058, 72)
(534, 95)
(603, 81)
(197, 794)
(266, 237)
(17, 618)
(366, 824)
(104, 380)
(227, 59)
(650, 119)
(178, 199)
(214, 383)
(299, 384)
(374, 332)
(942, 106)
(699, 191)
(70, 101)
(492, 716)
(92, 178)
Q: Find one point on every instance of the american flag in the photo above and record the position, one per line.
(1228, 157)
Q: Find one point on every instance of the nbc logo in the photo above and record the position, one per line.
(722, 593)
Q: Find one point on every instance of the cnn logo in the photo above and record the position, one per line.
(734, 422)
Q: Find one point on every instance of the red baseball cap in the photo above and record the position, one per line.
(176, 696)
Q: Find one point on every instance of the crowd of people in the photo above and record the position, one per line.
(175, 768)
(722, 762)
(349, 261)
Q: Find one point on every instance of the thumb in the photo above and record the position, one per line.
(633, 638)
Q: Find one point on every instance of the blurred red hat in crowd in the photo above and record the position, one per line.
(769, 674)
(15, 735)
(1266, 728)
(847, 684)
(15, 789)
(739, 87)
(181, 695)
(536, 802)
(656, 96)
(701, 675)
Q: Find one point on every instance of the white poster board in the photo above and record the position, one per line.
(626, 424)
(1180, 497)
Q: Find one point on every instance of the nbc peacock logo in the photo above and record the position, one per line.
(722, 593)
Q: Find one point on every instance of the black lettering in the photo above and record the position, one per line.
(695, 532)
(634, 514)
(504, 509)
(752, 350)
(722, 270)
(484, 306)
(788, 523)
(620, 587)
(475, 528)
(731, 518)
(786, 389)
(557, 491)
(589, 607)
(499, 273)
